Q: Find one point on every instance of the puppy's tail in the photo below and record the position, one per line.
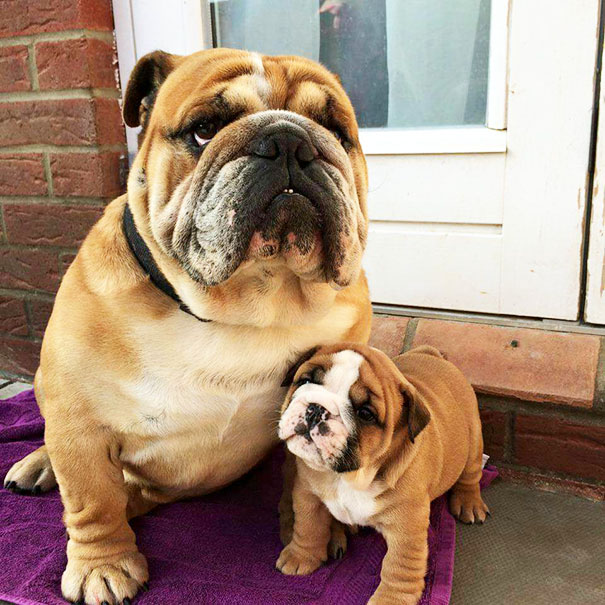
(428, 350)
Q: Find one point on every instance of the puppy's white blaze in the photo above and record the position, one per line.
(260, 79)
(344, 372)
(340, 378)
(351, 505)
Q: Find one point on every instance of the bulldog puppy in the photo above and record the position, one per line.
(237, 247)
(375, 441)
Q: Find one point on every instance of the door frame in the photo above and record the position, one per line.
(191, 28)
(541, 137)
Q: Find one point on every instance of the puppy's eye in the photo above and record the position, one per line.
(366, 414)
(304, 380)
(204, 131)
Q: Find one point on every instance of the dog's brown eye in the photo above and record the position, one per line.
(204, 131)
(366, 414)
(304, 380)
(338, 134)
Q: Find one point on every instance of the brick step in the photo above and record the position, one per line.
(541, 395)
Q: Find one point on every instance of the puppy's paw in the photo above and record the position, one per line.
(32, 475)
(115, 582)
(294, 561)
(468, 507)
(337, 547)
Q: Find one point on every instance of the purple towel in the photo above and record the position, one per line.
(217, 549)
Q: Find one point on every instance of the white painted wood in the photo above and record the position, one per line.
(457, 139)
(552, 66)
(594, 311)
(453, 188)
(125, 43)
(470, 218)
(142, 26)
(498, 65)
(417, 265)
(175, 26)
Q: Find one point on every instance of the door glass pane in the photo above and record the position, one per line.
(404, 63)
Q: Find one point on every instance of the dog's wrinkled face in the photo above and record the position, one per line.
(346, 406)
(249, 158)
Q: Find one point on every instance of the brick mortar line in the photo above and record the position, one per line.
(3, 233)
(29, 316)
(27, 294)
(57, 201)
(21, 338)
(41, 248)
(31, 65)
(549, 474)
(516, 406)
(48, 174)
(410, 334)
(41, 148)
(72, 34)
(509, 437)
(67, 94)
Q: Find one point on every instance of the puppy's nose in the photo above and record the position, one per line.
(314, 414)
(291, 142)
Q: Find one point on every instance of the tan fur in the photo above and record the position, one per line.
(143, 403)
(397, 479)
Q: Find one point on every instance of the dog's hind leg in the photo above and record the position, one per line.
(32, 475)
(138, 504)
(465, 500)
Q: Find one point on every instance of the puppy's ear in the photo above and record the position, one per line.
(145, 80)
(289, 377)
(415, 415)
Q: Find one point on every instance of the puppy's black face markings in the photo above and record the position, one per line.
(349, 458)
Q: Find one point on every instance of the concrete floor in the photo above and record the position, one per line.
(10, 389)
(537, 548)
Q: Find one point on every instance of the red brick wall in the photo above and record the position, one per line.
(62, 155)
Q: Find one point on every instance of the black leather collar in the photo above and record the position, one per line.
(143, 255)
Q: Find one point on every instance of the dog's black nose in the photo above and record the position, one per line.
(288, 142)
(314, 414)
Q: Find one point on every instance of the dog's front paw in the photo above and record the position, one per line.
(294, 561)
(112, 582)
(468, 507)
(337, 546)
(32, 475)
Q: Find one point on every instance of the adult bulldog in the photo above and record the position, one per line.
(237, 247)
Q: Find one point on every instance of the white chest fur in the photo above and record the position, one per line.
(205, 401)
(351, 505)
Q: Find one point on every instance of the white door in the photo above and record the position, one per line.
(594, 311)
(476, 120)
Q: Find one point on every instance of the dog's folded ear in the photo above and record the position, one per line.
(415, 414)
(145, 80)
(287, 381)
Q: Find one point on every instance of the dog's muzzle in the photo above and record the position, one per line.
(317, 426)
(280, 195)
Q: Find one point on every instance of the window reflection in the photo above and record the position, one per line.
(404, 63)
